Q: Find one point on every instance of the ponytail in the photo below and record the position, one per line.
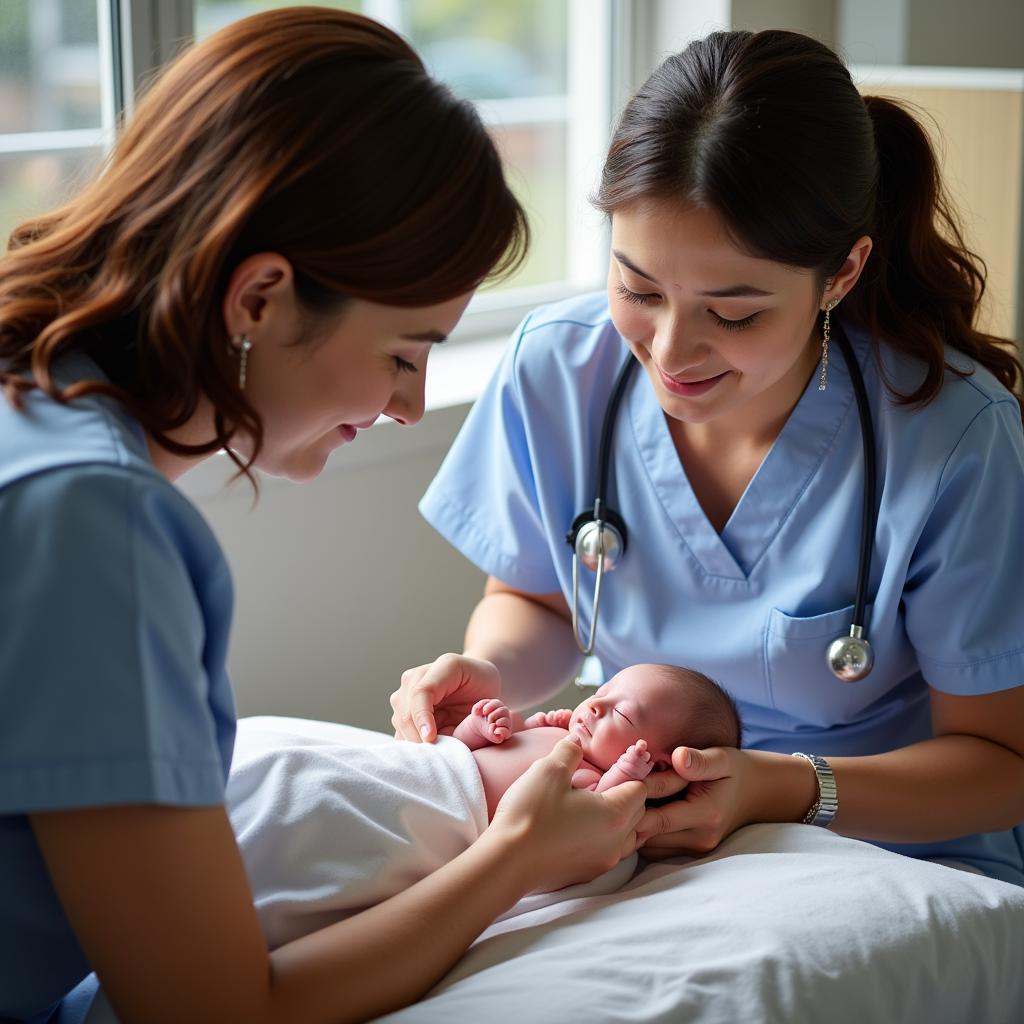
(922, 286)
(768, 129)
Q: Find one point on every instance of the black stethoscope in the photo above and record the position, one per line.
(598, 537)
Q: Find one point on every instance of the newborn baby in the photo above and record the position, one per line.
(328, 827)
(627, 729)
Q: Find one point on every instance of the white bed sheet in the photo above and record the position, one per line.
(782, 923)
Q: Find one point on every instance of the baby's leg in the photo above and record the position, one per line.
(489, 722)
(558, 719)
(634, 765)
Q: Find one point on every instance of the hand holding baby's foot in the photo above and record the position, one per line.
(492, 720)
(636, 762)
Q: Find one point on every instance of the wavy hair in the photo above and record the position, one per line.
(769, 130)
(312, 133)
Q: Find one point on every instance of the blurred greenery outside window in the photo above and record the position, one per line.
(512, 59)
(546, 104)
(56, 108)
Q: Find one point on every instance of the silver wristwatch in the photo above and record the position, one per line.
(823, 810)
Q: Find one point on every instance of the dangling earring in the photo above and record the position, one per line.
(825, 328)
(241, 344)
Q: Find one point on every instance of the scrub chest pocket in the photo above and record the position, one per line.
(799, 681)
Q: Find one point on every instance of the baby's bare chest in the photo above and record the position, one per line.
(501, 765)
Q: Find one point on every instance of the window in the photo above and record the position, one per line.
(540, 74)
(56, 101)
(538, 70)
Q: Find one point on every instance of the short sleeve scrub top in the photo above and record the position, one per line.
(756, 605)
(115, 604)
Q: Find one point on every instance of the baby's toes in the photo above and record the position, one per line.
(486, 707)
(499, 723)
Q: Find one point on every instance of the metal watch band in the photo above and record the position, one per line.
(824, 808)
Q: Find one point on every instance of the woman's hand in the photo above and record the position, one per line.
(563, 835)
(715, 804)
(436, 697)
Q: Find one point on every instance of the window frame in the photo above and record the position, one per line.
(606, 44)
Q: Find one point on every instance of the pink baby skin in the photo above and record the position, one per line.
(620, 728)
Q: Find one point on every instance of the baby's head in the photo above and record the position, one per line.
(665, 705)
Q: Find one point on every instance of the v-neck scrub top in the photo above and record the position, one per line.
(756, 606)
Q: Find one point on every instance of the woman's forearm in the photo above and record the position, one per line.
(531, 645)
(390, 955)
(938, 789)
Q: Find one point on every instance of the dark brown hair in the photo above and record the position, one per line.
(769, 130)
(711, 719)
(312, 133)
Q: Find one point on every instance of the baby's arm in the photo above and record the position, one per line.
(489, 722)
(634, 764)
(555, 719)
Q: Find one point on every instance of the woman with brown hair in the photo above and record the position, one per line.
(785, 271)
(294, 215)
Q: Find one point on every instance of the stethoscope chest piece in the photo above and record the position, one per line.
(590, 538)
(850, 658)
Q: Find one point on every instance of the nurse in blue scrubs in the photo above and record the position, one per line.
(287, 224)
(759, 205)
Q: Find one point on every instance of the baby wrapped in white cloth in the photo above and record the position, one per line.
(331, 820)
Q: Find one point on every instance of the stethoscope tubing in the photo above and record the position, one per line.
(601, 511)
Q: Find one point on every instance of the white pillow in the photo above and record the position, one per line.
(782, 923)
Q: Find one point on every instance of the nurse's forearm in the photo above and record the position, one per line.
(381, 959)
(531, 645)
(938, 789)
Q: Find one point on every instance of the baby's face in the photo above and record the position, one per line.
(629, 707)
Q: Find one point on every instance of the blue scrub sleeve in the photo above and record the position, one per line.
(103, 685)
(484, 498)
(964, 595)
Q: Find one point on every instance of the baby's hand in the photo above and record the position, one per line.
(492, 719)
(636, 762)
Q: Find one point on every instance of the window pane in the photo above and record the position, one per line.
(491, 51)
(536, 159)
(33, 184)
(49, 65)
(495, 54)
(211, 15)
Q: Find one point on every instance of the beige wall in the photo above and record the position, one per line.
(978, 135)
(339, 584)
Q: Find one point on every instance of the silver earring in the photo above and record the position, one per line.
(241, 344)
(825, 328)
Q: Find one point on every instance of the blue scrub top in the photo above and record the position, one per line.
(115, 604)
(756, 606)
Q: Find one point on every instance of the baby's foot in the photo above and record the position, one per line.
(559, 719)
(636, 762)
(491, 719)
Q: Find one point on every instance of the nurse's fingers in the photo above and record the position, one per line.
(408, 702)
(421, 708)
(628, 798)
(663, 784)
(679, 816)
(692, 764)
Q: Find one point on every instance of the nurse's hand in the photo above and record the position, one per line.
(716, 781)
(560, 835)
(436, 697)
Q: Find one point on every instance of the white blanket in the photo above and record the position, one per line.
(327, 829)
(783, 923)
(332, 820)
